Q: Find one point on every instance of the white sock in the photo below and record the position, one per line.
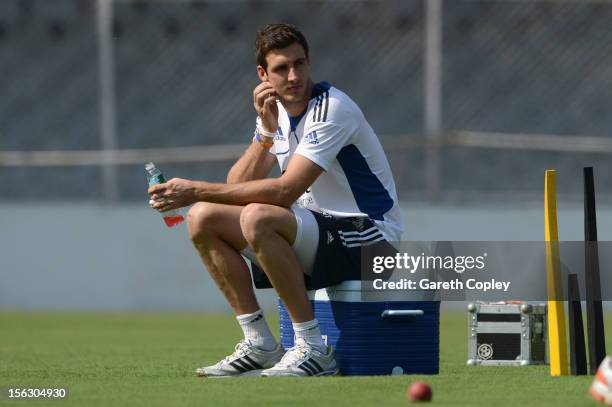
(309, 331)
(256, 330)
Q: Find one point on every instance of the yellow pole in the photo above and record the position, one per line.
(557, 339)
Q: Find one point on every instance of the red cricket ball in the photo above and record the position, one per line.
(419, 391)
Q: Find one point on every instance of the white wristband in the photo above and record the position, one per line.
(264, 138)
(266, 133)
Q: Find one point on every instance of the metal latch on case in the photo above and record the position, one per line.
(402, 313)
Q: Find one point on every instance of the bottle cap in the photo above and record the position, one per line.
(149, 166)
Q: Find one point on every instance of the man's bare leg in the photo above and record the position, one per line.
(271, 231)
(215, 232)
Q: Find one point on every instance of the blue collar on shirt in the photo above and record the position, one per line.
(317, 90)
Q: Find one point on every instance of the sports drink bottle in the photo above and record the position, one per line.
(155, 176)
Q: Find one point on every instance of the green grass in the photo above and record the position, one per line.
(148, 360)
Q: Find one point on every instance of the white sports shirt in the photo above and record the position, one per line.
(357, 181)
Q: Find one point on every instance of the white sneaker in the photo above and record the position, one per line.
(247, 360)
(303, 360)
(600, 388)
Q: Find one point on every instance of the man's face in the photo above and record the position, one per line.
(288, 72)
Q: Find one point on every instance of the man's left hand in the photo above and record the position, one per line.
(173, 194)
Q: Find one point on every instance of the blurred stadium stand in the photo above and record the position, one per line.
(185, 71)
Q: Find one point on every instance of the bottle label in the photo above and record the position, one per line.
(157, 179)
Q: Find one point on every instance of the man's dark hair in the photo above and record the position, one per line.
(277, 36)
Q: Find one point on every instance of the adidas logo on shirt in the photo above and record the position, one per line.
(312, 138)
(279, 135)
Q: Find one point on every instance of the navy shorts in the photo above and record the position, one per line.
(338, 256)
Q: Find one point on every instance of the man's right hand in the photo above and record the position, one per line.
(264, 100)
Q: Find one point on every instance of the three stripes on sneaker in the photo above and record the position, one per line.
(245, 364)
(311, 367)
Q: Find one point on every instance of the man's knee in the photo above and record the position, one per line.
(203, 219)
(258, 220)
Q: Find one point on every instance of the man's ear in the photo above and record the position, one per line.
(261, 72)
